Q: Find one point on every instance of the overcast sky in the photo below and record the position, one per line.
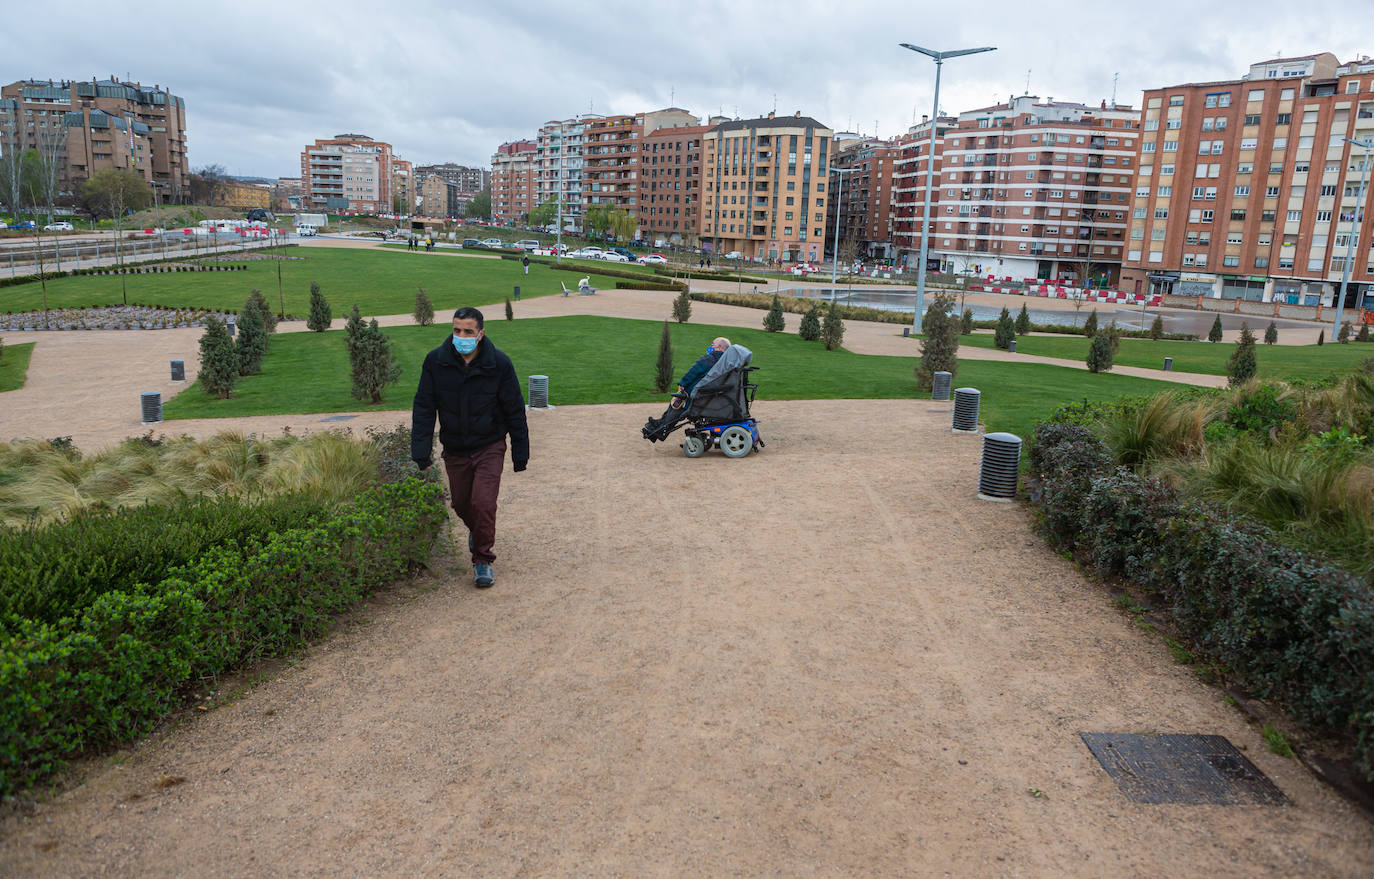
(451, 81)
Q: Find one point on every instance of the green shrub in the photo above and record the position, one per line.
(87, 682)
(670, 286)
(1089, 328)
(269, 320)
(424, 309)
(219, 361)
(1100, 354)
(966, 324)
(1261, 410)
(940, 347)
(1271, 334)
(1286, 625)
(373, 364)
(1023, 321)
(1214, 334)
(682, 307)
(1241, 367)
(1343, 336)
(320, 313)
(1005, 331)
(252, 341)
(832, 328)
(663, 368)
(773, 321)
(810, 328)
(1157, 328)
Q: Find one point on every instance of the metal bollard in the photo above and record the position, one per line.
(939, 389)
(1168, 364)
(1011, 346)
(178, 370)
(517, 292)
(152, 407)
(1001, 464)
(539, 392)
(966, 402)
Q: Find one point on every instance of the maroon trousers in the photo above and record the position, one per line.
(474, 481)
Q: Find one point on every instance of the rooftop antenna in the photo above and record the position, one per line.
(672, 95)
(775, 102)
(1115, 77)
(1028, 73)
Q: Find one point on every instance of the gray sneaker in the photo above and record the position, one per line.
(482, 576)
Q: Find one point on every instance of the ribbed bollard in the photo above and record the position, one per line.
(517, 292)
(939, 389)
(906, 332)
(1001, 464)
(232, 327)
(152, 407)
(1168, 364)
(1011, 346)
(966, 410)
(539, 392)
(178, 370)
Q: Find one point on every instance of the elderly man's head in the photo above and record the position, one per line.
(720, 344)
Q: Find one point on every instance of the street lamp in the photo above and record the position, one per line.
(839, 206)
(1356, 222)
(930, 170)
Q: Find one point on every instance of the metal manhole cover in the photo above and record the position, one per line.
(338, 418)
(1181, 768)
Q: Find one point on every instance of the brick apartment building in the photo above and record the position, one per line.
(512, 181)
(1247, 188)
(348, 172)
(99, 124)
(670, 184)
(909, 171)
(439, 198)
(862, 205)
(1031, 189)
(764, 188)
(402, 186)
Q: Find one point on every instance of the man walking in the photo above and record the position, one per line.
(526, 263)
(472, 387)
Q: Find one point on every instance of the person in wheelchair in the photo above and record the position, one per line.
(717, 410)
(677, 406)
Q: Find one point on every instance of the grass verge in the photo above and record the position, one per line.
(14, 366)
(610, 360)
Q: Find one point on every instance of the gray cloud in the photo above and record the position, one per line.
(451, 81)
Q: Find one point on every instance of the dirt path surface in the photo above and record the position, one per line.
(828, 658)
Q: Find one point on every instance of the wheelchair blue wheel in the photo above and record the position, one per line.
(736, 442)
(693, 447)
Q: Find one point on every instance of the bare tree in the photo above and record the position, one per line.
(52, 156)
(11, 165)
(115, 192)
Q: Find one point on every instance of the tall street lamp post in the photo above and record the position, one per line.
(839, 206)
(930, 170)
(1356, 224)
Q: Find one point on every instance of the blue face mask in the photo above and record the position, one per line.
(710, 348)
(464, 344)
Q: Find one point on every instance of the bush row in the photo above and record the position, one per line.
(797, 305)
(59, 569)
(1286, 625)
(108, 675)
(144, 267)
(672, 286)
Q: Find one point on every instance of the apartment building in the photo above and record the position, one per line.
(861, 209)
(98, 124)
(469, 181)
(348, 172)
(670, 184)
(1248, 189)
(1032, 189)
(403, 192)
(558, 167)
(910, 169)
(512, 181)
(438, 198)
(764, 187)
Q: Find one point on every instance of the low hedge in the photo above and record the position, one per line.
(57, 570)
(106, 676)
(798, 305)
(651, 285)
(1286, 625)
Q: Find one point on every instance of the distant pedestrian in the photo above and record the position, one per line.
(526, 263)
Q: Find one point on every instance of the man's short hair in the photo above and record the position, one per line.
(467, 312)
(720, 339)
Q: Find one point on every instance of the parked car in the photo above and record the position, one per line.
(25, 224)
(734, 254)
(586, 253)
(60, 226)
(652, 259)
(612, 256)
(4, 225)
(471, 242)
(629, 255)
(493, 242)
(525, 244)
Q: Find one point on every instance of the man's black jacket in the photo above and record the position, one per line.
(477, 403)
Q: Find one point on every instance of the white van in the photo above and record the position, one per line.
(305, 230)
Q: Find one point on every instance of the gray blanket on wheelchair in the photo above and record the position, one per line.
(720, 394)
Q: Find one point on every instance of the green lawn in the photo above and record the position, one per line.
(1209, 358)
(610, 360)
(14, 366)
(380, 281)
